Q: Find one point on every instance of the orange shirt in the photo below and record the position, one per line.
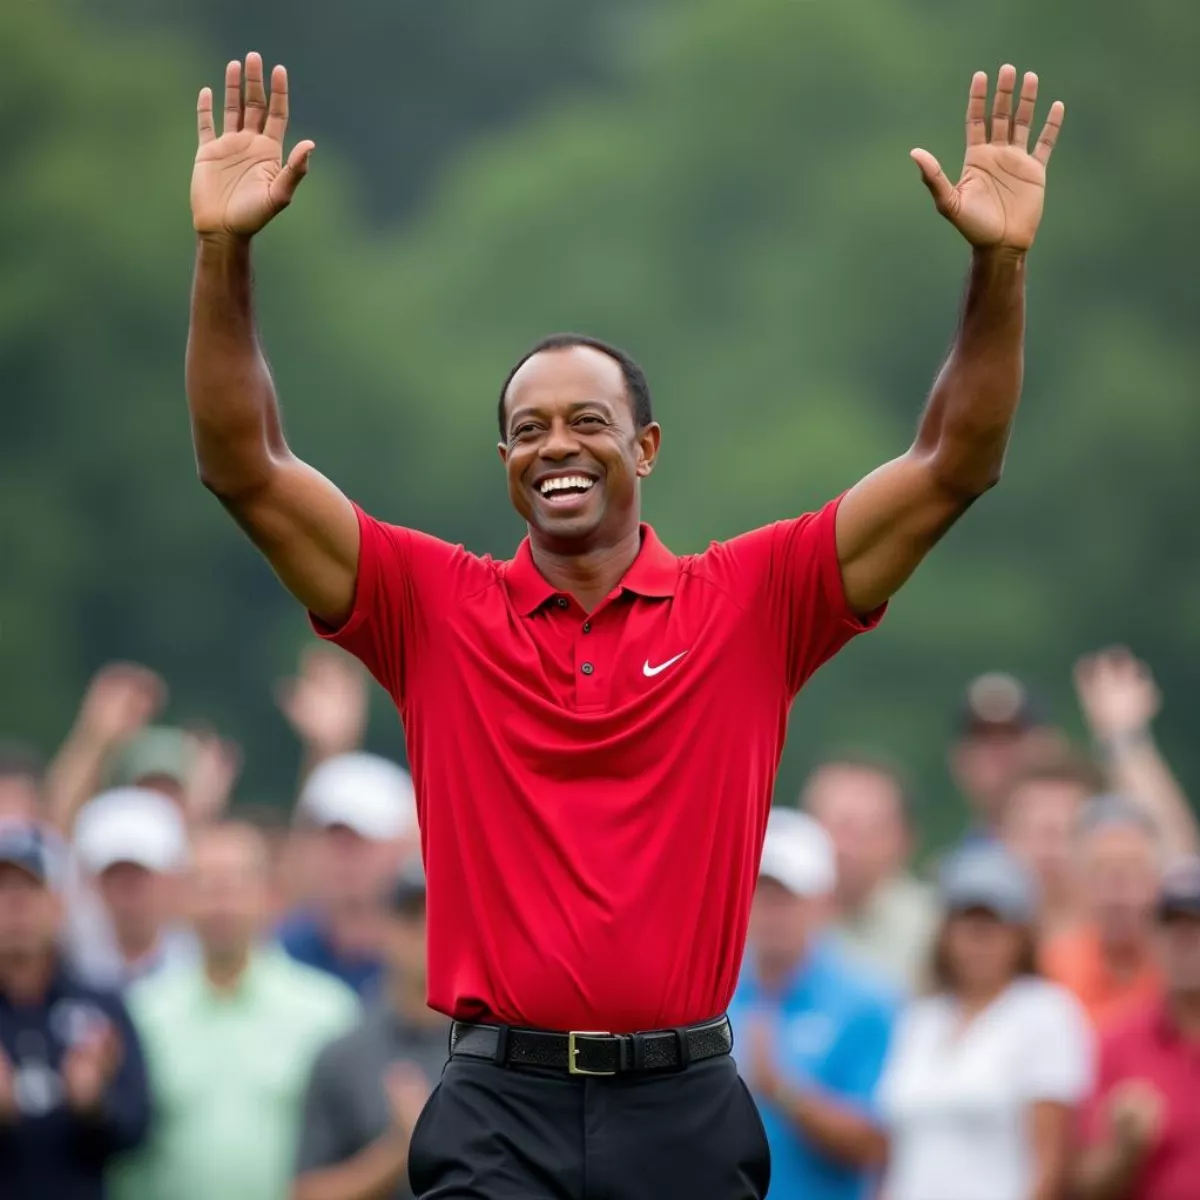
(1076, 961)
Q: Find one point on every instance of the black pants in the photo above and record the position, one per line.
(497, 1133)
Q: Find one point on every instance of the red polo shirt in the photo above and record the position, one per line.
(593, 788)
(1149, 1047)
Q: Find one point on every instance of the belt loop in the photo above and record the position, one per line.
(500, 1057)
(639, 1052)
(685, 1049)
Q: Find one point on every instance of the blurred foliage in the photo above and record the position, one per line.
(735, 206)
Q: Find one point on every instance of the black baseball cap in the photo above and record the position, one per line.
(406, 894)
(998, 703)
(1179, 894)
(24, 845)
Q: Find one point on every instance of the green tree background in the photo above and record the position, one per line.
(722, 188)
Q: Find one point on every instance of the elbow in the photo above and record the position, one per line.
(962, 478)
(235, 483)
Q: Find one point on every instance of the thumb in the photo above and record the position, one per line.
(934, 178)
(293, 172)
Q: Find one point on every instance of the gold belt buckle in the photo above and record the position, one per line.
(573, 1050)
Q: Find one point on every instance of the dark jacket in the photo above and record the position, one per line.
(48, 1152)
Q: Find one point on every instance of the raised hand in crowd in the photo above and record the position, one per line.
(1120, 700)
(121, 699)
(88, 1068)
(215, 768)
(326, 703)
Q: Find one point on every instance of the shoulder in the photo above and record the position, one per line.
(854, 985)
(307, 991)
(160, 995)
(78, 996)
(1046, 1003)
(1131, 1031)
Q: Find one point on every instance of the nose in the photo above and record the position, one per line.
(559, 443)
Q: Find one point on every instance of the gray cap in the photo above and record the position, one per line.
(991, 878)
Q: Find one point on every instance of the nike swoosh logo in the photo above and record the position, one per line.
(650, 671)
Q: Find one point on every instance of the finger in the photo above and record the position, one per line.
(288, 180)
(1025, 107)
(977, 110)
(1002, 104)
(205, 129)
(256, 94)
(233, 97)
(934, 178)
(1045, 143)
(277, 110)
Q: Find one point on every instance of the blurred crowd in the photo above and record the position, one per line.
(200, 999)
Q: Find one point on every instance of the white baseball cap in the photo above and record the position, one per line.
(798, 854)
(370, 795)
(131, 825)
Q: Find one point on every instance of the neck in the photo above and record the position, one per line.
(225, 970)
(1125, 956)
(589, 576)
(1185, 1011)
(406, 994)
(853, 898)
(25, 978)
(137, 944)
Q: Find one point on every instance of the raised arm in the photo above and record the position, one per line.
(304, 526)
(890, 520)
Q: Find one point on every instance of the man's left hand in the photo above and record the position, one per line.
(763, 1075)
(88, 1067)
(997, 202)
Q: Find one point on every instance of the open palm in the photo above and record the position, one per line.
(240, 179)
(998, 198)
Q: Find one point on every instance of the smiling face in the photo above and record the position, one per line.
(573, 452)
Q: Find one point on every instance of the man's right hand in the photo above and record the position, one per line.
(407, 1091)
(240, 180)
(1135, 1113)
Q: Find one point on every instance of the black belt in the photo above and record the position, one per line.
(581, 1053)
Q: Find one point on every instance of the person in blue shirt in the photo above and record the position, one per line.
(811, 1025)
(73, 1089)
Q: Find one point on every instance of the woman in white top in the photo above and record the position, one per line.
(985, 1073)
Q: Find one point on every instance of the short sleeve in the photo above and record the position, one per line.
(1058, 1055)
(405, 581)
(323, 1138)
(788, 573)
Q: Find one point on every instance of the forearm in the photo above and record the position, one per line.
(1106, 1172)
(833, 1128)
(371, 1174)
(235, 415)
(964, 432)
(73, 777)
(1138, 770)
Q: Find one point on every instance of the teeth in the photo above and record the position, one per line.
(562, 482)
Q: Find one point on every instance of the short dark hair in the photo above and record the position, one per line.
(859, 759)
(635, 377)
(1059, 764)
(17, 760)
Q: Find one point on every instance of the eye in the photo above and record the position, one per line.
(525, 430)
(591, 420)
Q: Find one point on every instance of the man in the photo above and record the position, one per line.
(999, 726)
(1108, 960)
(368, 1088)
(20, 782)
(594, 727)
(230, 1040)
(815, 1025)
(72, 1081)
(1142, 1127)
(131, 846)
(358, 815)
(1039, 816)
(883, 912)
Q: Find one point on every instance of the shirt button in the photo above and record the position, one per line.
(587, 668)
(562, 602)
(587, 627)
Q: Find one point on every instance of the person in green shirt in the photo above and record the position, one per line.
(229, 1041)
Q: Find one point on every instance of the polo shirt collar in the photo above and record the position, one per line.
(653, 573)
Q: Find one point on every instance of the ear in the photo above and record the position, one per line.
(503, 449)
(648, 441)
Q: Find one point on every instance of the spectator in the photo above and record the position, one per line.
(1120, 700)
(1039, 815)
(362, 813)
(882, 911)
(159, 758)
(1142, 1126)
(20, 781)
(999, 725)
(130, 846)
(980, 1088)
(229, 1041)
(1108, 960)
(814, 1025)
(72, 1080)
(368, 1088)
